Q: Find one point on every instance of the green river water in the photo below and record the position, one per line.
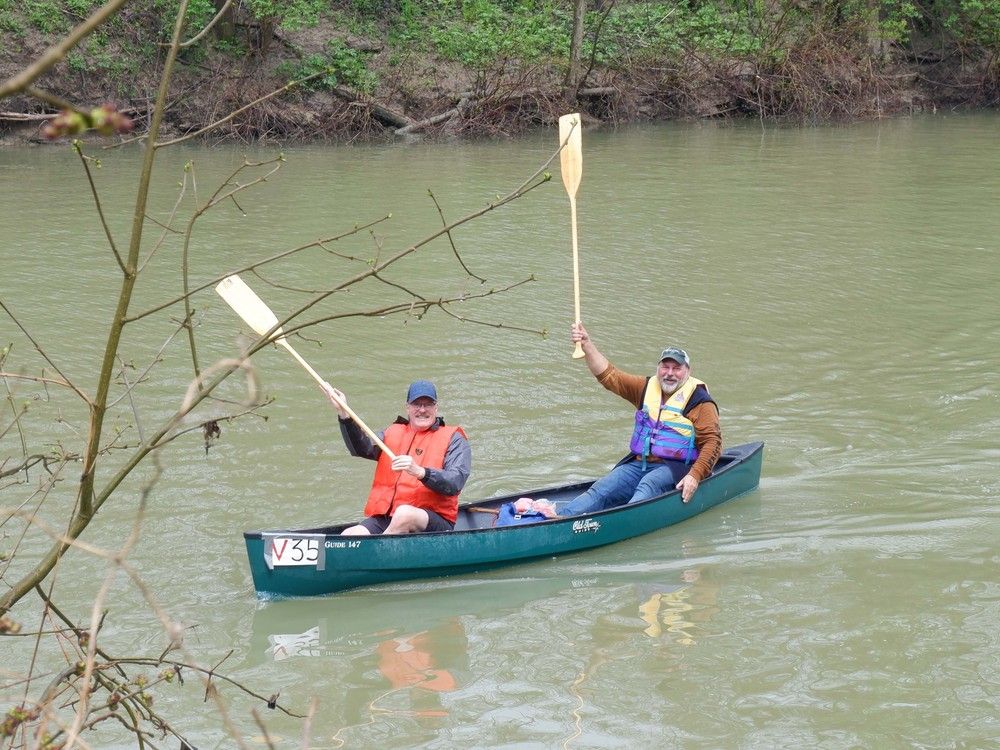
(836, 287)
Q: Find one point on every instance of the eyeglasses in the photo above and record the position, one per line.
(418, 406)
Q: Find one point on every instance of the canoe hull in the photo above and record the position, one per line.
(349, 562)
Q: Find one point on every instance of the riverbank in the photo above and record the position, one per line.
(434, 76)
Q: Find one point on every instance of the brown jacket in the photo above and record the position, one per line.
(705, 416)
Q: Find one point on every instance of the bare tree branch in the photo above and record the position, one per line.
(33, 460)
(167, 229)
(217, 197)
(523, 189)
(258, 264)
(157, 358)
(85, 161)
(36, 378)
(451, 240)
(424, 306)
(65, 381)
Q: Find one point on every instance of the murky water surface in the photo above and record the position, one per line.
(837, 289)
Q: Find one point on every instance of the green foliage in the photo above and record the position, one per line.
(46, 16)
(355, 23)
(485, 33)
(374, 8)
(290, 14)
(99, 54)
(233, 47)
(198, 14)
(77, 62)
(965, 23)
(105, 57)
(942, 23)
(10, 20)
(479, 32)
(82, 8)
(653, 30)
(975, 21)
(350, 65)
(339, 65)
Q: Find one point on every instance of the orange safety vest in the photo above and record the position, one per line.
(391, 488)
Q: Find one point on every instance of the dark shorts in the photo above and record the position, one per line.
(378, 524)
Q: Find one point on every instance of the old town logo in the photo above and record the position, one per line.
(588, 524)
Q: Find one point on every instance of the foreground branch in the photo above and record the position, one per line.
(54, 54)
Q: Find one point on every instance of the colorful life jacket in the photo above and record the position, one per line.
(391, 488)
(662, 430)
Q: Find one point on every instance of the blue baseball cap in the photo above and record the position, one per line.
(421, 389)
(677, 355)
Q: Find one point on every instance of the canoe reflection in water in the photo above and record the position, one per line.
(281, 646)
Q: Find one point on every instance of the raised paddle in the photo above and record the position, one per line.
(571, 160)
(258, 316)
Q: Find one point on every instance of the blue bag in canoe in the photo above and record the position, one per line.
(508, 516)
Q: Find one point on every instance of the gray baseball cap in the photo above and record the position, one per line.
(677, 355)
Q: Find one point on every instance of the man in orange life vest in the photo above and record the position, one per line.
(676, 440)
(418, 490)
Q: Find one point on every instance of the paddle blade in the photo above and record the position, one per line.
(571, 157)
(248, 305)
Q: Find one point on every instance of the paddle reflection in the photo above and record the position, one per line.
(674, 610)
(679, 611)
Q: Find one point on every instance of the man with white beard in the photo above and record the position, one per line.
(676, 440)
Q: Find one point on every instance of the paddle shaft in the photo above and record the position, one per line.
(578, 349)
(350, 412)
(256, 314)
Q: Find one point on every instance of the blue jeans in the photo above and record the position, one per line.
(627, 483)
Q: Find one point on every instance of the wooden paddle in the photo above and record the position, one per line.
(258, 316)
(571, 159)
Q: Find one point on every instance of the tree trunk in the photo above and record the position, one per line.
(225, 29)
(876, 43)
(572, 82)
(266, 35)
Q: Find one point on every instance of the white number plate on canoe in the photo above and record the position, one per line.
(294, 551)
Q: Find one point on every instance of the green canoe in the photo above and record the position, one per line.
(313, 562)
